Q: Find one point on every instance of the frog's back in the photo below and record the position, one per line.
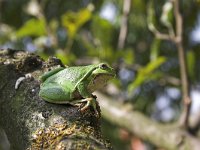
(70, 75)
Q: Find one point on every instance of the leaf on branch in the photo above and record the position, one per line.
(72, 21)
(33, 27)
(147, 73)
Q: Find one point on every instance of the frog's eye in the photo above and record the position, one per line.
(103, 66)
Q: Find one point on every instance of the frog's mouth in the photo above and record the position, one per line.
(110, 75)
(103, 76)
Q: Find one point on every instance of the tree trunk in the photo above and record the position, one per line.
(32, 123)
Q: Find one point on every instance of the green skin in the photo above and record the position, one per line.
(73, 85)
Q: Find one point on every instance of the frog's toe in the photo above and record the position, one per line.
(89, 103)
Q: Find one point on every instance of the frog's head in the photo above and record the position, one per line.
(101, 74)
(103, 69)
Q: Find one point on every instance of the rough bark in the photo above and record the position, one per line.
(167, 136)
(31, 123)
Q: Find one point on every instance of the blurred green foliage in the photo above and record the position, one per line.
(84, 32)
(147, 73)
(73, 21)
(32, 27)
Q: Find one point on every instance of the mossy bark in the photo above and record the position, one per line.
(32, 123)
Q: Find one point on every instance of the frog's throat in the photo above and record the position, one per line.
(98, 82)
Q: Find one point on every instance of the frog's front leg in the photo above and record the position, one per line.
(89, 102)
(88, 97)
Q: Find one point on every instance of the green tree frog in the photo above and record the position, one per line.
(73, 85)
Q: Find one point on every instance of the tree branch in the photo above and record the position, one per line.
(182, 62)
(158, 34)
(169, 136)
(30, 122)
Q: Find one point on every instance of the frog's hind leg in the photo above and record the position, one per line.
(54, 93)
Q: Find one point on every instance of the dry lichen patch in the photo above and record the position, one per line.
(50, 137)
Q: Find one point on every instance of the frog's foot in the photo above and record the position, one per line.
(90, 102)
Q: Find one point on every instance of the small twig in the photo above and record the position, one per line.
(177, 39)
(160, 35)
(124, 24)
(171, 80)
(182, 61)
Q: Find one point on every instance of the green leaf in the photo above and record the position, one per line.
(147, 73)
(72, 21)
(153, 65)
(33, 27)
